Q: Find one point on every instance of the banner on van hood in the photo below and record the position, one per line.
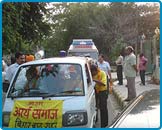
(36, 114)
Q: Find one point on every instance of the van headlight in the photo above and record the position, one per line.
(75, 118)
(6, 118)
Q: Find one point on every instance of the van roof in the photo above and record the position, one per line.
(82, 42)
(72, 59)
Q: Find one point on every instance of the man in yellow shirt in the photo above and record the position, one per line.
(100, 78)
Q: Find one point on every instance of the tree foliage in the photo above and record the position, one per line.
(23, 26)
(111, 26)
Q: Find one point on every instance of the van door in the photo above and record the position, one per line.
(91, 96)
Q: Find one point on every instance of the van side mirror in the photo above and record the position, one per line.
(5, 86)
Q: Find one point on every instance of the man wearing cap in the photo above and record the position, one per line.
(130, 72)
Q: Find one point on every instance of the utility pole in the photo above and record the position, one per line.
(141, 43)
(156, 73)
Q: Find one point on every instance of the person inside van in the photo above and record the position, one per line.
(75, 81)
(32, 78)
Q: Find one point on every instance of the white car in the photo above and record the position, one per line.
(51, 93)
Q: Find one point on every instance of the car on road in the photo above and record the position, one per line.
(51, 93)
(142, 112)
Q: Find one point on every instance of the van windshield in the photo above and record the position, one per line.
(48, 79)
(93, 55)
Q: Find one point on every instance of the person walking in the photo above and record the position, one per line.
(142, 67)
(105, 66)
(130, 72)
(100, 78)
(119, 63)
(20, 59)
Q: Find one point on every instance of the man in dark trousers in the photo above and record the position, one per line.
(100, 78)
(119, 63)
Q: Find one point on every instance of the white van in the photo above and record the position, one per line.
(51, 93)
(83, 47)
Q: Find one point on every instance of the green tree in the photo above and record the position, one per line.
(25, 27)
(112, 26)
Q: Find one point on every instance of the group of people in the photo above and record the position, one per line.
(102, 76)
(101, 73)
(128, 64)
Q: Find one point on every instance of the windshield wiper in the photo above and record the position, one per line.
(30, 92)
(17, 93)
(55, 94)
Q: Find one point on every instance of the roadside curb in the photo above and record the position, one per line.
(119, 97)
(120, 91)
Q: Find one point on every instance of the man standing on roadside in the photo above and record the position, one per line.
(130, 72)
(105, 66)
(119, 63)
(20, 59)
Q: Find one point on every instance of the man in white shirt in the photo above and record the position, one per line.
(130, 69)
(20, 59)
(119, 63)
(105, 66)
